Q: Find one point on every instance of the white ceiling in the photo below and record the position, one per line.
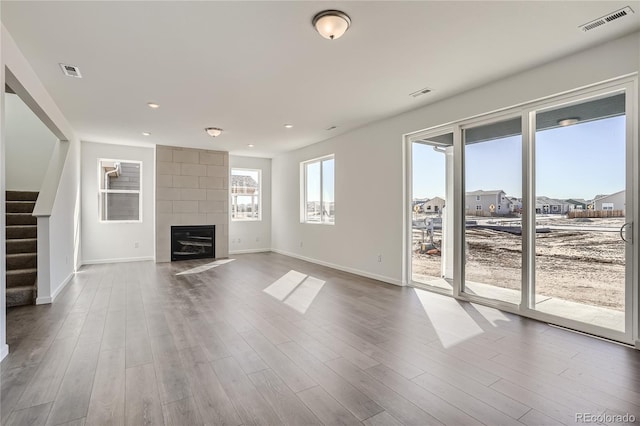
(251, 67)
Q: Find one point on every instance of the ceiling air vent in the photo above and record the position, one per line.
(71, 71)
(606, 19)
(420, 92)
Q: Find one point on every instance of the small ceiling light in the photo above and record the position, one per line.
(331, 24)
(213, 131)
(146, 134)
(251, 145)
(153, 105)
(568, 121)
(288, 126)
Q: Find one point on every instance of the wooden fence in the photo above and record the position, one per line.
(595, 213)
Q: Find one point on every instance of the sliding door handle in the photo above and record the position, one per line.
(622, 232)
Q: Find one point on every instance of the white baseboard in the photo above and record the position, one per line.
(119, 260)
(57, 291)
(4, 351)
(354, 271)
(247, 251)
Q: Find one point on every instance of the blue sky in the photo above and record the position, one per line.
(578, 161)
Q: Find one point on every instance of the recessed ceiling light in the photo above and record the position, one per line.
(251, 145)
(153, 105)
(568, 121)
(146, 134)
(288, 126)
(332, 127)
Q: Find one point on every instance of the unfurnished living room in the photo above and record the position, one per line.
(319, 213)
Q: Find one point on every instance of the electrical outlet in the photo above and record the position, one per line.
(257, 239)
(300, 243)
(136, 244)
(379, 258)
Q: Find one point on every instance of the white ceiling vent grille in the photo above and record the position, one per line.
(420, 92)
(71, 71)
(606, 19)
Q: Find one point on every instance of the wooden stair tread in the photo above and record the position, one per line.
(22, 271)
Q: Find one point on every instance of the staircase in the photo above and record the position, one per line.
(22, 248)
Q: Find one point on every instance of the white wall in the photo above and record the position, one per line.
(253, 236)
(64, 211)
(4, 348)
(116, 242)
(369, 164)
(28, 146)
(64, 224)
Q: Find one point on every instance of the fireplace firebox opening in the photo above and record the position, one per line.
(193, 242)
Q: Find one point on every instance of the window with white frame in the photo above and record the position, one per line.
(246, 194)
(120, 190)
(318, 200)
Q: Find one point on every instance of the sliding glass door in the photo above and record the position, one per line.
(492, 208)
(431, 211)
(531, 210)
(582, 205)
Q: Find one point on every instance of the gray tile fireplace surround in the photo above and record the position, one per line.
(192, 188)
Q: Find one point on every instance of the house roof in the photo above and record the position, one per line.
(277, 65)
(481, 192)
(542, 199)
(601, 196)
(243, 181)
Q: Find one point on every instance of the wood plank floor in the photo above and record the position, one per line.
(188, 344)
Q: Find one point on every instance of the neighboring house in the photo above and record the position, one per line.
(243, 185)
(546, 205)
(418, 203)
(488, 203)
(615, 201)
(516, 204)
(434, 205)
(577, 204)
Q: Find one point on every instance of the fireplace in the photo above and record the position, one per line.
(193, 242)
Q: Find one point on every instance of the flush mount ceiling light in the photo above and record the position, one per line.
(331, 24)
(213, 131)
(146, 134)
(568, 121)
(153, 105)
(288, 126)
(251, 145)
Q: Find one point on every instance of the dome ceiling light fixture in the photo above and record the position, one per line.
(213, 131)
(331, 24)
(568, 121)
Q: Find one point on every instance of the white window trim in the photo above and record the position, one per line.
(118, 191)
(303, 189)
(244, 169)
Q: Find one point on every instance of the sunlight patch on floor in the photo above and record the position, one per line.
(452, 323)
(206, 267)
(303, 296)
(284, 285)
(296, 290)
